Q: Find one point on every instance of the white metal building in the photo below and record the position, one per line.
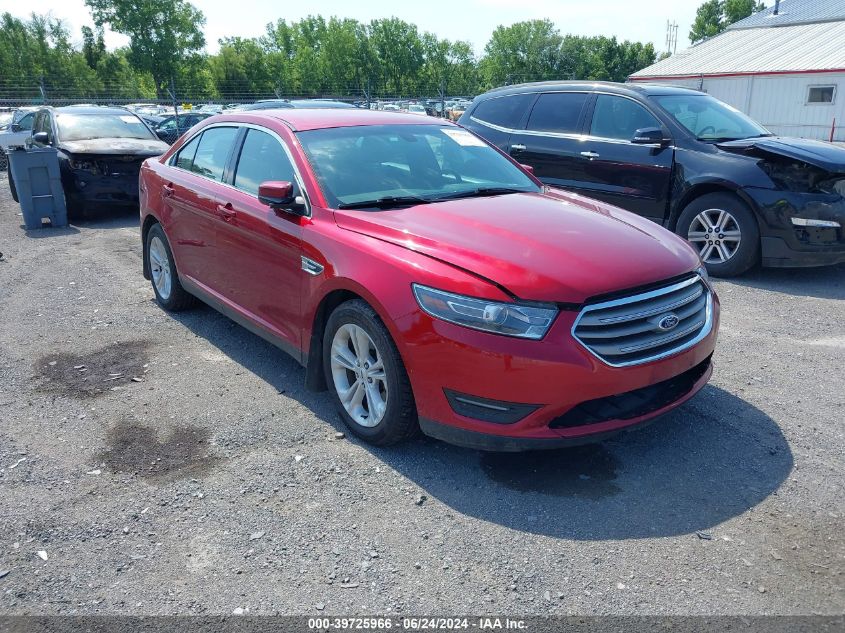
(783, 66)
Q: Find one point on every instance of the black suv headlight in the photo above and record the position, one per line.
(81, 165)
(800, 177)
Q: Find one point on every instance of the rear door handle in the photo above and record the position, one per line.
(519, 147)
(590, 155)
(167, 190)
(227, 211)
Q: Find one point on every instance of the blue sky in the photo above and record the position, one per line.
(472, 20)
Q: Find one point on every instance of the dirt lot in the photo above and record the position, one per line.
(175, 464)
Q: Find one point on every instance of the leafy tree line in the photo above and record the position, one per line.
(314, 56)
(714, 16)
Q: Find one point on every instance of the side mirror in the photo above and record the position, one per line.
(14, 127)
(42, 138)
(527, 168)
(649, 136)
(278, 195)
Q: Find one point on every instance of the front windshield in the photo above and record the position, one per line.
(82, 127)
(428, 162)
(709, 119)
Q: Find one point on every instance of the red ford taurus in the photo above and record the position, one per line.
(426, 280)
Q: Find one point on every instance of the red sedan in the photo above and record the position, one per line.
(426, 280)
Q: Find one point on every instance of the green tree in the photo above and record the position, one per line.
(241, 69)
(708, 21)
(714, 16)
(398, 49)
(450, 66)
(347, 60)
(525, 51)
(736, 10)
(93, 47)
(277, 42)
(165, 36)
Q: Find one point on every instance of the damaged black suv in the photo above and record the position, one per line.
(100, 153)
(679, 157)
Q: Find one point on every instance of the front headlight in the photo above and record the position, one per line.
(510, 319)
(81, 165)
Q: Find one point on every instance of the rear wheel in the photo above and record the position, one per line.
(366, 376)
(724, 232)
(169, 293)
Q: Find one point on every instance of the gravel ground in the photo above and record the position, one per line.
(161, 464)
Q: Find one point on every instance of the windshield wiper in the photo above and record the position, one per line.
(482, 191)
(725, 139)
(386, 202)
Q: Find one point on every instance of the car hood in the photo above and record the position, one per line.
(551, 246)
(124, 146)
(826, 156)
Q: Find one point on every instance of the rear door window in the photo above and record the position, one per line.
(619, 118)
(262, 159)
(503, 111)
(213, 151)
(557, 112)
(185, 157)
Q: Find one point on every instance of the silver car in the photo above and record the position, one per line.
(16, 133)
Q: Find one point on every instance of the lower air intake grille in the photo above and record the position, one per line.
(632, 404)
(647, 326)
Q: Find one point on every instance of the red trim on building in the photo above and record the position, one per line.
(749, 74)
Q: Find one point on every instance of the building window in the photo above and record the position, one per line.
(821, 94)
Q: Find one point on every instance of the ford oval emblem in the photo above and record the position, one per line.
(668, 322)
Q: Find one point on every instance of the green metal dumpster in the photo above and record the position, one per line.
(39, 186)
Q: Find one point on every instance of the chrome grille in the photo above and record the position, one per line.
(647, 326)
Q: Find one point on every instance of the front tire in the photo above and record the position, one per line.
(723, 230)
(169, 292)
(366, 376)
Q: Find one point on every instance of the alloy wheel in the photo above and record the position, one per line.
(160, 268)
(716, 233)
(358, 372)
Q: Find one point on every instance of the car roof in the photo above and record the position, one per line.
(93, 110)
(319, 103)
(303, 119)
(591, 86)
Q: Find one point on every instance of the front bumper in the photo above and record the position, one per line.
(91, 190)
(784, 244)
(488, 442)
(554, 376)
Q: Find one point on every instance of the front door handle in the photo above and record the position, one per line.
(519, 147)
(227, 211)
(590, 155)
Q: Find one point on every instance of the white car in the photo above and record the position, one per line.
(18, 130)
(416, 108)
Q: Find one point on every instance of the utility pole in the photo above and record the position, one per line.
(671, 37)
(443, 98)
(172, 92)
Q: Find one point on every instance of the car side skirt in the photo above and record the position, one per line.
(242, 320)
